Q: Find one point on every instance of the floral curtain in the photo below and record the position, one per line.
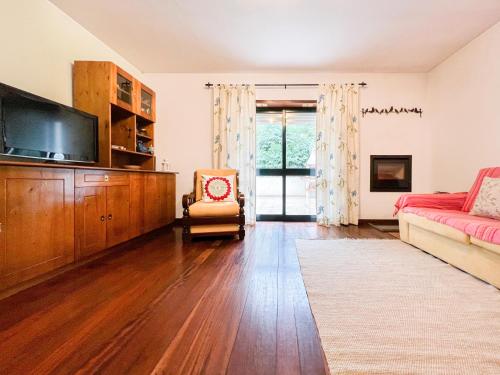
(234, 137)
(337, 155)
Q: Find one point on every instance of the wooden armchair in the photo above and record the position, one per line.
(212, 218)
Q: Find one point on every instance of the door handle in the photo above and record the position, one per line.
(103, 218)
(110, 217)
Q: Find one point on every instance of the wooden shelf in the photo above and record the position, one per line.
(97, 89)
(133, 152)
(144, 136)
(144, 120)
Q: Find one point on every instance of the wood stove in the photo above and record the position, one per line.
(390, 173)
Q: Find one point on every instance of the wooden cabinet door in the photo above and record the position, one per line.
(171, 206)
(118, 214)
(151, 202)
(90, 220)
(163, 199)
(136, 204)
(37, 222)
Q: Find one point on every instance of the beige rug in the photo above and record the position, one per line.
(384, 307)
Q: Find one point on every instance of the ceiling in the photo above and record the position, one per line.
(284, 35)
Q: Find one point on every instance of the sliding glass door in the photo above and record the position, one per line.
(286, 161)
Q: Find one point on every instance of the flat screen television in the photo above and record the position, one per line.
(34, 127)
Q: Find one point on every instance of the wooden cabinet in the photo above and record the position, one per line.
(126, 109)
(152, 207)
(159, 200)
(102, 210)
(136, 204)
(162, 183)
(51, 216)
(37, 222)
(132, 203)
(170, 198)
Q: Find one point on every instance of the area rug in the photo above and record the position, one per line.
(385, 307)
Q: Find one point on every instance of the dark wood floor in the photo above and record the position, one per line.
(161, 306)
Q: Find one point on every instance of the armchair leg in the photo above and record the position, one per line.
(241, 232)
(186, 230)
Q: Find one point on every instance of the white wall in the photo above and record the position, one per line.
(464, 108)
(458, 133)
(39, 44)
(184, 133)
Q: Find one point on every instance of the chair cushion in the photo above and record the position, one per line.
(214, 209)
(218, 228)
(211, 172)
(482, 228)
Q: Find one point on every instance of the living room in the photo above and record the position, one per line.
(190, 206)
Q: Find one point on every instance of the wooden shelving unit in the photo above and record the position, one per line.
(126, 109)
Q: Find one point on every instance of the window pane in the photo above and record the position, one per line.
(300, 139)
(300, 195)
(269, 197)
(269, 140)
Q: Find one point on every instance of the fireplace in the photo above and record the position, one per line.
(390, 173)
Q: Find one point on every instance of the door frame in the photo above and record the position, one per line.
(284, 171)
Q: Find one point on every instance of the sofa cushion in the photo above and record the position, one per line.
(214, 209)
(487, 202)
(482, 228)
(474, 190)
(435, 227)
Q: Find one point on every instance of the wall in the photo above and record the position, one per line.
(184, 133)
(39, 44)
(458, 134)
(464, 103)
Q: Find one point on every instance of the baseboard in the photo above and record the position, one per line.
(379, 221)
(178, 222)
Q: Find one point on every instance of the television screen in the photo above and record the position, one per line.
(39, 128)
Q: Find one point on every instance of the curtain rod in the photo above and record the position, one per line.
(285, 85)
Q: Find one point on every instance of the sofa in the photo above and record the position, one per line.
(440, 224)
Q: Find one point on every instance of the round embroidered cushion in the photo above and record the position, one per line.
(217, 188)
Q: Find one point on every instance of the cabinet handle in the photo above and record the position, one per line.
(103, 218)
(110, 217)
(106, 177)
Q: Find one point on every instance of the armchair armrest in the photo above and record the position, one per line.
(241, 199)
(452, 201)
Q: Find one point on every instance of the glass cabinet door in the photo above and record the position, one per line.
(146, 102)
(124, 89)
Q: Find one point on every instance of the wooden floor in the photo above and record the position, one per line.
(161, 306)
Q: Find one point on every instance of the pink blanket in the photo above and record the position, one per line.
(483, 228)
(454, 201)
